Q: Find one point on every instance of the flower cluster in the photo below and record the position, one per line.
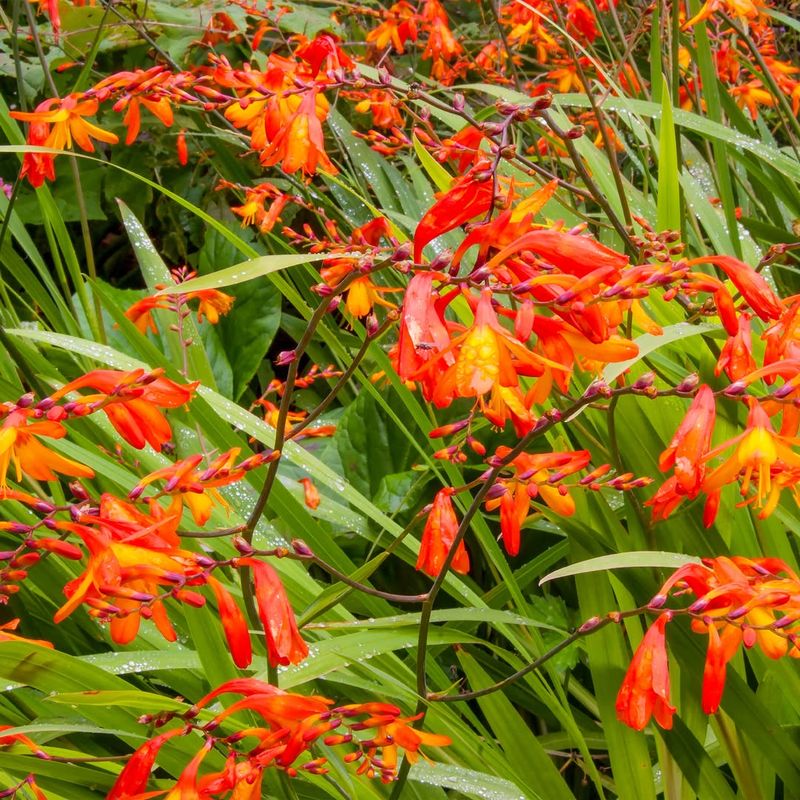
(288, 728)
(737, 601)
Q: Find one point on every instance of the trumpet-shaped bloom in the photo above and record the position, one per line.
(438, 536)
(131, 401)
(645, 690)
(536, 475)
(197, 489)
(284, 643)
(691, 442)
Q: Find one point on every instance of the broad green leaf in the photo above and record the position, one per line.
(132, 698)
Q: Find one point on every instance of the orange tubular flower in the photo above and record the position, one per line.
(310, 493)
(284, 644)
(56, 123)
(645, 690)
(300, 143)
(141, 312)
(690, 444)
(738, 601)
(467, 198)
(772, 457)
(198, 489)
(438, 536)
(751, 285)
(736, 358)
(536, 475)
(131, 782)
(486, 356)
(234, 624)
(19, 445)
(213, 304)
(399, 26)
(131, 401)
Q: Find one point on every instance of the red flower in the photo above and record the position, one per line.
(467, 198)
(752, 285)
(132, 781)
(284, 643)
(438, 536)
(645, 690)
(234, 624)
(20, 446)
(721, 649)
(131, 401)
(691, 442)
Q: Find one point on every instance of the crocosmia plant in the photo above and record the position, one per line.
(399, 400)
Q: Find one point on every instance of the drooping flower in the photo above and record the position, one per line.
(438, 536)
(645, 690)
(284, 643)
(468, 197)
(687, 450)
(535, 475)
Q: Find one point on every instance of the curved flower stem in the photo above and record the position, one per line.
(344, 377)
(594, 189)
(589, 627)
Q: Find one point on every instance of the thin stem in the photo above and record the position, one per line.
(95, 319)
(343, 378)
(597, 195)
(584, 630)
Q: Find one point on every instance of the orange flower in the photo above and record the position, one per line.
(757, 451)
(312, 498)
(300, 143)
(751, 285)
(198, 489)
(399, 25)
(686, 452)
(486, 355)
(56, 123)
(736, 358)
(19, 445)
(284, 643)
(423, 336)
(131, 782)
(122, 580)
(535, 475)
(131, 401)
(467, 198)
(438, 536)
(645, 690)
(141, 312)
(213, 304)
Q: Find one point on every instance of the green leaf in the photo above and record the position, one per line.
(128, 698)
(465, 781)
(244, 271)
(641, 558)
(436, 172)
(647, 343)
(669, 185)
